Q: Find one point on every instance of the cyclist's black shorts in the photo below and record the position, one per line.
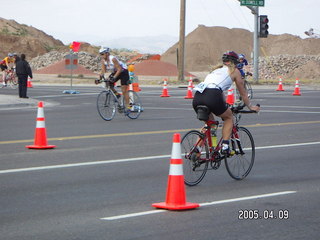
(213, 98)
(3, 67)
(124, 76)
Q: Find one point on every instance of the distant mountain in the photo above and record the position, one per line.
(149, 44)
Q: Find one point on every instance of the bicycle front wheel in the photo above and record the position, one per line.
(13, 82)
(240, 163)
(106, 105)
(195, 153)
(136, 106)
(249, 89)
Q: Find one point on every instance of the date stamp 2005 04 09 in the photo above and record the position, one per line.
(255, 214)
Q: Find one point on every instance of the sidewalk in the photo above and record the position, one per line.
(10, 101)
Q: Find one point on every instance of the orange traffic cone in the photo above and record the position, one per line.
(280, 88)
(190, 79)
(29, 83)
(165, 89)
(176, 195)
(230, 97)
(136, 87)
(296, 91)
(189, 92)
(40, 140)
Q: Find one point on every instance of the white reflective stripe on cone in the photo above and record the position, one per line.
(176, 170)
(176, 151)
(40, 113)
(40, 124)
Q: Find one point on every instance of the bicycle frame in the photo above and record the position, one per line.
(214, 150)
(199, 152)
(134, 102)
(11, 78)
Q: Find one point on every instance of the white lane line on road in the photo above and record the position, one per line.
(133, 215)
(201, 205)
(288, 145)
(280, 106)
(17, 170)
(279, 111)
(82, 164)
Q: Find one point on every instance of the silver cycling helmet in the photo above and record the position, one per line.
(103, 50)
(241, 56)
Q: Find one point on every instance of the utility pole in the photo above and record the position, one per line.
(181, 40)
(256, 45)
(255, 12)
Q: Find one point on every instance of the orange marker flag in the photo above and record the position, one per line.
(75, 46)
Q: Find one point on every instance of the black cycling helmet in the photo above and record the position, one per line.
(230, 56)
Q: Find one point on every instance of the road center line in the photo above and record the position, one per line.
(150, 132)
(202, 204)
(17, 170)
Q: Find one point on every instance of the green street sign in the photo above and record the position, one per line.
(258, 3)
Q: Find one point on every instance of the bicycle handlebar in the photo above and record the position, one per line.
(97, 81)
(239, 109)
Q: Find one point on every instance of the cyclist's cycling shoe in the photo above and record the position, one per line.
(135, 108)
(225, 150)
(120, 108)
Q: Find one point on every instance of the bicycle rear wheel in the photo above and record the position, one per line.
(195, 153)
(106, 105)
(136, 107)
(240, 164)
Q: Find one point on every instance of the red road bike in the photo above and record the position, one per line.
(201, 151)
(11, 79)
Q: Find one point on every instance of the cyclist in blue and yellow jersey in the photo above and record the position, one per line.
(6, 64)
(242, 63)
(118, 71)
(210, 93)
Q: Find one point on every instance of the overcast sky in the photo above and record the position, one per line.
(98, 20)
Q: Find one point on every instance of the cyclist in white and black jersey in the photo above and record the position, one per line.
(210, 93)
(118, 71)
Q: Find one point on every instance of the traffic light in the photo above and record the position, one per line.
(263, 29)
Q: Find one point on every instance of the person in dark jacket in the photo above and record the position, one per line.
(23, 70)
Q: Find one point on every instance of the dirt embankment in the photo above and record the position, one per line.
(205, 46)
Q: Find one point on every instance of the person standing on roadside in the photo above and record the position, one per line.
(23, 70)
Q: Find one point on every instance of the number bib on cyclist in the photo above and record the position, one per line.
(201, 87)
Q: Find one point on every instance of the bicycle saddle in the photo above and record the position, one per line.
(203, 112)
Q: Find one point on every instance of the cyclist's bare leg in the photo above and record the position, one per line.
(125, 93)
(114, 90)
(4, 76)
(227, 124)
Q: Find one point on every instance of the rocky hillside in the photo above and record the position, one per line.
(20, 38)
(88, 58)
(289, 67)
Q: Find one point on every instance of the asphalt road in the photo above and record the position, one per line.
(101, 179)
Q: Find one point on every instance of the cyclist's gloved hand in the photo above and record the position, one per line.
(112, 79)
(255, 108)
(97, 81)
